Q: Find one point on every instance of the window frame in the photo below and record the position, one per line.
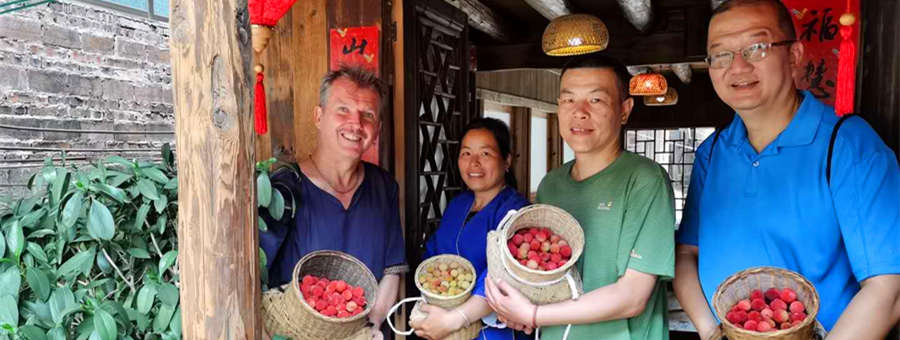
(149, 13)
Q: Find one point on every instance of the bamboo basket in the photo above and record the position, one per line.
(539, 286)
(559, 291)
(739, 286)
(544, 216)
(286, 313)
(446, 302)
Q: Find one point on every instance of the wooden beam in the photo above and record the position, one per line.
(513, 100)
(217, 231)
(655, 49)
(550, 9)
(483, 19)
(638, 13)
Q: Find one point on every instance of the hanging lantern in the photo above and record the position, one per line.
(574, 34)
(668, 99)
(846, 77)
(264, 14)
(648, 84)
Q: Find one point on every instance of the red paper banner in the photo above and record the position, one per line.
(816, 22)
(356, 46)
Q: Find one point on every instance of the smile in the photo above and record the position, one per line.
(353, 137)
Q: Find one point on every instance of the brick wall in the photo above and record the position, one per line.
(72, 65)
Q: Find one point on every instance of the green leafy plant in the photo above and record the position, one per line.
(93, 254)
(266, 197)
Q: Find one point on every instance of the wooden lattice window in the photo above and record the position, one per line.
(437, 109)
(674, 150)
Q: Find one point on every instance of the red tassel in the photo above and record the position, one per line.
(846, 79)
(259, 106)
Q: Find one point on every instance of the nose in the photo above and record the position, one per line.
(581, 110)
(474, 161)
(355, 117)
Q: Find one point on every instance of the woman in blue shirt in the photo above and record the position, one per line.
(484, 164)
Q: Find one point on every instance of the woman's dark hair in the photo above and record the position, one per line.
(501, 134)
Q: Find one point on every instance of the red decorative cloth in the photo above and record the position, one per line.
(268, 12)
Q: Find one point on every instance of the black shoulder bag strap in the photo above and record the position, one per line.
(716, 138)
(834, 133)
(294, 170)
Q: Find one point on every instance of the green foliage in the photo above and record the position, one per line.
(93, 254)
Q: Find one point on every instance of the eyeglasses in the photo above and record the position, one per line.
(751, 54)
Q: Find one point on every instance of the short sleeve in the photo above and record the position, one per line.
(395, 249)
(689, 230)
(650, 210)
(866, 193)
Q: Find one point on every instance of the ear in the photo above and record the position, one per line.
(627, 106)
(797, 51)
(317, 115)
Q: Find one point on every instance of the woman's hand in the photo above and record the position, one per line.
(517, 326)
(511, 307)
(438, 324)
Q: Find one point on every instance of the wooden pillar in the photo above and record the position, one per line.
(879, 76)
(217, 237)
(520, 120)
(399, 136)
(554, 143)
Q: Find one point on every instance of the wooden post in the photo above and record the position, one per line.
(521, 135)
(217, 237)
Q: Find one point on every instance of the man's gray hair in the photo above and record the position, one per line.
(359, 76)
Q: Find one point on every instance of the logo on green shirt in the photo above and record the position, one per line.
(605, 205)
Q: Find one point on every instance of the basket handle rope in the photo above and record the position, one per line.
(394, 310)
(504, 222)
(571, 281)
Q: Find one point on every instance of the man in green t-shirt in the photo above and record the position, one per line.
(624, 203)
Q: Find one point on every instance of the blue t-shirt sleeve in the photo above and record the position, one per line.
(395, 250)
(689, 230)
(865, 186)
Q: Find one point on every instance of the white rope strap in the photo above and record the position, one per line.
(571, 281)
(394, 310)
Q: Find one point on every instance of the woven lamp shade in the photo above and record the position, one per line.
(670, 98)
(574, 34)
(648, 84)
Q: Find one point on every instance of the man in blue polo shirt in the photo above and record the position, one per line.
(342, 203)
(759, 194)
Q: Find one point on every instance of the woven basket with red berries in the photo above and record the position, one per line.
(330, 297)
(767, 303)
(534, 249)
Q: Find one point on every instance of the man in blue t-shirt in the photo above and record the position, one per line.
(762, 192)
(342, 203)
